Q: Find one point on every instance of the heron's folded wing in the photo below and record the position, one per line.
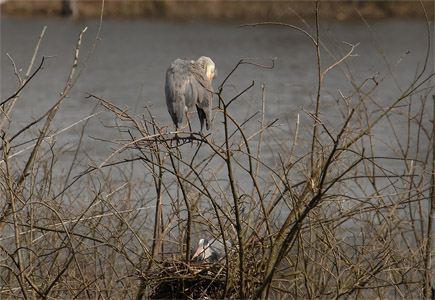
(203, 84)
(204, 90)
(175, 89)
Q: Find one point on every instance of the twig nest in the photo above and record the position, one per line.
(175, 279)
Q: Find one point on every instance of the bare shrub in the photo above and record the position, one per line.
(314, 211)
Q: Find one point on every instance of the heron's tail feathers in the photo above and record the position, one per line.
(204, 114)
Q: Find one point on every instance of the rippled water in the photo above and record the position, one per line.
(129, 64)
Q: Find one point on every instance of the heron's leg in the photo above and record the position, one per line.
(188, 122)
(176, 138)
(176, 135)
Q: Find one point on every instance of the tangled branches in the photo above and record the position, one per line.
(308, 209)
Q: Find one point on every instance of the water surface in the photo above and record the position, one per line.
(129, 64)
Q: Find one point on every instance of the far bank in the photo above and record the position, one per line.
(219, 10)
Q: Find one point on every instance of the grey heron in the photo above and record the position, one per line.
(188, 84)
(208, 251)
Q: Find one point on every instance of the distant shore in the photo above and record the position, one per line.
(218, 10)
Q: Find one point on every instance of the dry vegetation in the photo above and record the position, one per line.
(323, 217)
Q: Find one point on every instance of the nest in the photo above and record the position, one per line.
(174, 279)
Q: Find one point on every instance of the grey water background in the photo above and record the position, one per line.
(129, 64)
(128, 69)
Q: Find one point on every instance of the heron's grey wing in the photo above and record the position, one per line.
(217, 248)
(176, 81)
(202, 86)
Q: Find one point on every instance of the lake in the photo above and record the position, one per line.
(130, 60)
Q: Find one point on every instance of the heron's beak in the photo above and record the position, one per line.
(210, 77)
(197, 253)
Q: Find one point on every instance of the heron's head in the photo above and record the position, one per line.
(200, 251)
(209, 67)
